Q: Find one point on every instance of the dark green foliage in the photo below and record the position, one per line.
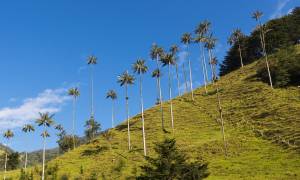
(51, 172)
(92, 128)
(64, 177)
(93, 176)
(284, 67)
(13, 161)
(66, 142)
(283, 32)
(25, 176)
(170, 163)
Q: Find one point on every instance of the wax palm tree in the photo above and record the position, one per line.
(155, 53)
(214, 63)
(91, 61)
(45, 120)
(111, 94)
(186, 39)
(124, 80)
(257, 16)
(27, 129)
(210, 45)
(174, 50)
(7, 135)
(168, 60)
(201, 32)
(141, 68)
(74, 92)
(157, 74)
(235, 38)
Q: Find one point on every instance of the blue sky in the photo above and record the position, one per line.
(44, 45)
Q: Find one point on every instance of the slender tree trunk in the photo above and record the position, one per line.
(143, 119)
(177, 77)
(44, 154)
(170, 98)
(191, 77)
(185, 79)
(73, 123)
(5, 166)
(220, 110)
(263, 43)
(128, 121)
(160, 97)
(241, 57)
(25, 165)
(211, 66)
(113, 114)
(204, 60)
(204, 69)
(92, 89)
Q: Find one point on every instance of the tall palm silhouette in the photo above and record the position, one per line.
(210, 45)
(92, 61)
(45, 121)
(201, 32)
(168, 60)
(126, 79)
(7, 135)
(186, 39)
(111, 94)
(140, 68)
(27, 129)
(174, 50)
(262, 32)
(235, 38)
(214, 63)
(155, 53)
(157, 74)
(74, 92)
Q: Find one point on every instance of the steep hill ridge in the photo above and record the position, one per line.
(262, 129)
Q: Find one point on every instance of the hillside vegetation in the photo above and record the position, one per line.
(262, 129)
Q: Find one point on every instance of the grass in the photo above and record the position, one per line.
(262, 131)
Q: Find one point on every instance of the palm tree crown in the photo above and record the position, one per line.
(203, 28)
(257, 15)
(74, 92)
(111, 94)
(155, 51)
(156, 73)
(235, 36)
(45, 119)
(186, 38)
(126, 79)
(28, 128)
(92, 60)
(210, 42)
(8, 134)
(140, 67)
(174, 49)
(168, 59)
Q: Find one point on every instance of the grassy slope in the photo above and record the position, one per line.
(262, 129)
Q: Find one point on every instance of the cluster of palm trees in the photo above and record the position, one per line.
(202, 36)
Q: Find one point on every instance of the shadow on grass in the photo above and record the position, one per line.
(94, 151)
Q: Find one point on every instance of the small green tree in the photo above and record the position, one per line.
(170, 163)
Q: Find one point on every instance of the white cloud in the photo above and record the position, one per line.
(50, 100)
(279, 9)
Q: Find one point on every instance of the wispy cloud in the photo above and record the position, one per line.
(279, 9)
(50, 100)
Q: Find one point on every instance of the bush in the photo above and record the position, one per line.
(284, 67)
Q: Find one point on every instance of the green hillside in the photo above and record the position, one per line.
(262, 130)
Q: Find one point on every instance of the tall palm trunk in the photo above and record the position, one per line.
(220, 110)
(44, 154)
(92, 89)
(25, 165)
(5, 166)
(185, 79)
(73, 123)
(143, 119)
(128, 121)
(204, 62)
(211, 66)
(240, 52)
(160, 97)
(170, 98)
(204, 70)
(177, 77)
(191, 77)
(113, 114)
(263, 44)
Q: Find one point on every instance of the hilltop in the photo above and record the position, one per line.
(262, 129)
